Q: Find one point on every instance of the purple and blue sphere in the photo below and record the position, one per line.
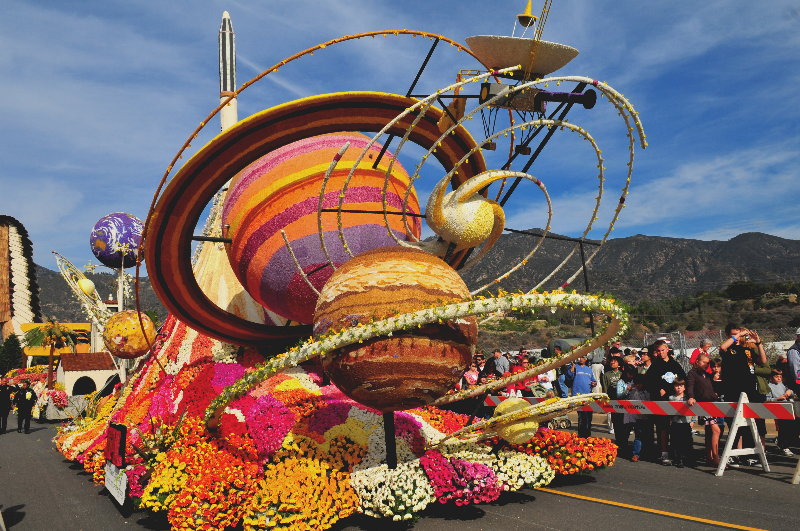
(115, 239)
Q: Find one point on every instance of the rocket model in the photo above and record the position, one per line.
(229, 114)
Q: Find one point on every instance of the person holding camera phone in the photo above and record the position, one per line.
(742, 355)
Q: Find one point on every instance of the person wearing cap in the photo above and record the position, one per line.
(792, 380)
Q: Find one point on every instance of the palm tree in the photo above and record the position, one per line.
(54, 335)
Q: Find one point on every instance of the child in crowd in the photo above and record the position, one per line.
(778, 392)
(641, 425)
(611, 376)
(680, 430)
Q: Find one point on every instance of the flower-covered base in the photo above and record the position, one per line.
(293, 453)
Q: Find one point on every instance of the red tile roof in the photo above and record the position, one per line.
(87, 361)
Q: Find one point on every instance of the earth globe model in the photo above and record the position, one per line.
(124, 337)
(412, 367)
(280, 192)
(115, 239)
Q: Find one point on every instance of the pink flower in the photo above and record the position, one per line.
(226, 374)
(135, 487)
(326, 418)
(269, 421)
(460, 481)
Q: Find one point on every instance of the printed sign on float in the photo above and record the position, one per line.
(116, 482)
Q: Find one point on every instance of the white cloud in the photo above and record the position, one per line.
(723, 195)
(295, 89)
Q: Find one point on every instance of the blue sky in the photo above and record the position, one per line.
(99, 95)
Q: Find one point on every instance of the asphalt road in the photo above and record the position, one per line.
(40, 490)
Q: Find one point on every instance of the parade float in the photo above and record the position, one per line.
(79, 365)
(314, 339)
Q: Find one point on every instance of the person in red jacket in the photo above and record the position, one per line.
(704, 347)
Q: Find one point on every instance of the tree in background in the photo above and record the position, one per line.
(10, 354)
(54, 335)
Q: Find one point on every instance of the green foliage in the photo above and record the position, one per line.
(508, 325)
(745, 289)
(153, 315)
(52, 333)
(10, 354)
(760, 305)
(775, 306)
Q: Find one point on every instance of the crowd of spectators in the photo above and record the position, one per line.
(652, 373)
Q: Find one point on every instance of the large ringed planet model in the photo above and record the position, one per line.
(170, 226)
(280, 192)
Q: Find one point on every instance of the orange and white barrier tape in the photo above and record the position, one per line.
(766, 410)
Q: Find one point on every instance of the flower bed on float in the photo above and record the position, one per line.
(294, 453)
(32, 374)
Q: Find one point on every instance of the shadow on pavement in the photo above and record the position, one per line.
(13, 515)
(435, 510)
(360, 521)
(509, 498)
(453, 512)
(156, 521)
(575, 479)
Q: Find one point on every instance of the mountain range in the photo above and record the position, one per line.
(633, 269)
(642, 267)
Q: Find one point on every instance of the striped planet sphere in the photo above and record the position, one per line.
(412, 367)
(280, 191)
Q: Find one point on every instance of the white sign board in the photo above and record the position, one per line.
(116, 482)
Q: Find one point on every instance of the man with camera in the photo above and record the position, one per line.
(741, 352)
(742, 355)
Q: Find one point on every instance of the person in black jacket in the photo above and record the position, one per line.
(659, 377)
(25, 399)
(739, 361)
(5, 403)
(742, 355)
